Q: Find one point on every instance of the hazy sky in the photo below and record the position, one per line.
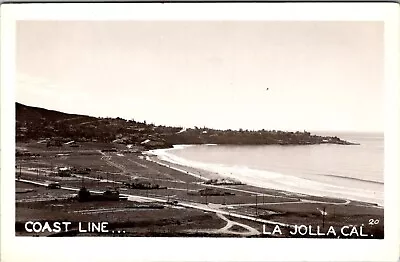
(320, 75)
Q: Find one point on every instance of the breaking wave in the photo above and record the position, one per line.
(276, 180)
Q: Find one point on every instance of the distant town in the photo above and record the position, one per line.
(56, 128)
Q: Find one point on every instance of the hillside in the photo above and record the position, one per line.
(33, 123)
(31, 114)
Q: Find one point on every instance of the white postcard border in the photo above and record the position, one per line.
(204, 249)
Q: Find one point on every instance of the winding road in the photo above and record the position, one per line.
(230, 224)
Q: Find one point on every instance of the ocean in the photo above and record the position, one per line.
(352, 172)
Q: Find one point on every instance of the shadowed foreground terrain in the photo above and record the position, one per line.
(161, 201)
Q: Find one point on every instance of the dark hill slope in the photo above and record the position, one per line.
(31, 113)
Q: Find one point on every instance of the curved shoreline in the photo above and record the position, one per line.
(204, 175)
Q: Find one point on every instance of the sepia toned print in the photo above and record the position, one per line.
(199, 129)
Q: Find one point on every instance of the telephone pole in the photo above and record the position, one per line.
(256, 205)
(167, 194)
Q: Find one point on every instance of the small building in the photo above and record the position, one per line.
(145, 141)
(64, 171)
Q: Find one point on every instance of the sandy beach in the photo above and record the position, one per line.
(182, 204)
(259, 178)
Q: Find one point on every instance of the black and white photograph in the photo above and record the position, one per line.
(199, 128)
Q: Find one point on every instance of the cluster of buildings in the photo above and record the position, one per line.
(68, 171)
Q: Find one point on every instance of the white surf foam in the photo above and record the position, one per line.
(273, 180)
